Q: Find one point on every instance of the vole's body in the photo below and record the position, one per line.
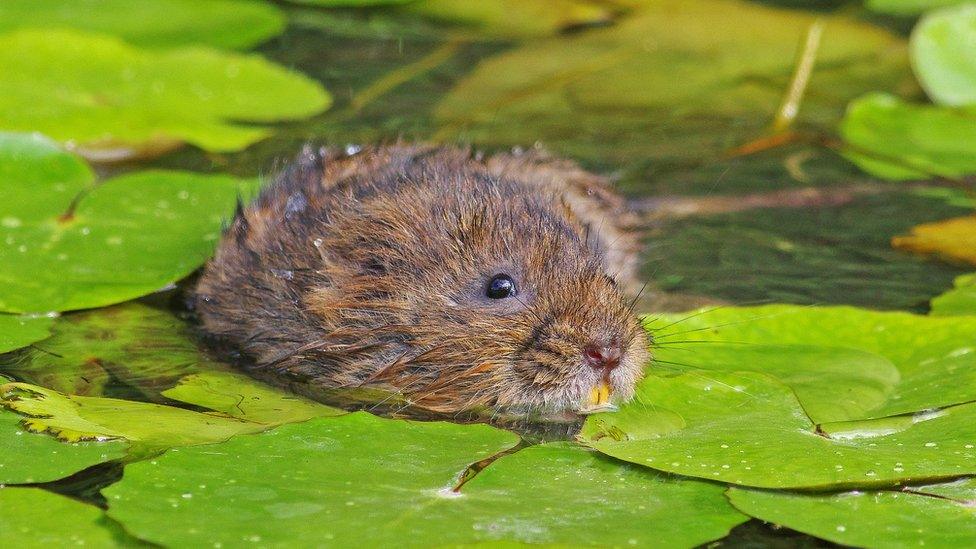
(371, 268)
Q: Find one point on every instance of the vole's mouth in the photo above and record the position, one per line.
(598, 399)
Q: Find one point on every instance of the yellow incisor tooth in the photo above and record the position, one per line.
(600, 395)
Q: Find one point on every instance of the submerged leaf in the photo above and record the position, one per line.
(909, 518)
(238, 24)
(961, 300)
(943, 47)
(893, 139)
(87, 246)
(27, 457)
(112, 100)
(749, 429)
(952, 239)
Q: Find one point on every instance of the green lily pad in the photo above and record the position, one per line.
(88, 246)
(350, 3)
(111, 100)
(20, 331)
(961, 300)
(396, 488)
(238, 24)
(697, 89)
(40, 518)
(893, 139)
(943, 45)
(927, 351)
(832, 383)
(868, 518)
(749, 429)
(27, 458)
(908, 7)
(75, 418)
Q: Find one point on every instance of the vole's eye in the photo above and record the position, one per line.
(501, 286)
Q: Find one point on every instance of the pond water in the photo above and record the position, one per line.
(731, 217)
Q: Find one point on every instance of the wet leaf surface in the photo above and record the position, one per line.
(237, 24)
(870, 518)
(953, 239)
(909, 7)
(749, 429)
(514, 18)
(397, 472)
(112, 100)
(43, 519)
(925, 350)
(960, 300)
(26, 457)
(89, 246)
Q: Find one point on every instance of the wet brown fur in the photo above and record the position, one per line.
(370, 268)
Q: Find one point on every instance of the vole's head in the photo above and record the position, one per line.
(463, 291)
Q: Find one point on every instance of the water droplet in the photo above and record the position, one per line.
(10, 222)
(930, 445)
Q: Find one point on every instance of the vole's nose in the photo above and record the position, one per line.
(602, 357)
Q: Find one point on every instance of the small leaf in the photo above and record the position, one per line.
(943, 47)
(111, 100)
(237, 24)
(961, 300)
(952, 239)
(513, 18)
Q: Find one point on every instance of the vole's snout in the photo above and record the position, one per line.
(601, 357)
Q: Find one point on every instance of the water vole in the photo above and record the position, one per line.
(456, 280)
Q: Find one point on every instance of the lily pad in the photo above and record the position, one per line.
(953, 239)
(40, 518)
(27, 457)
(88, 246)
(896, 140)
(20, 331)
(749, 429)
(832, 383)
(649, 85)
(111, 100)
(396, 488)
(75, 418)
(237, 24)
(868, 518)
(927, 351)
(943, 45)
(961, 300)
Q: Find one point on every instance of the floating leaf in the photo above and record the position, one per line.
(85, 246)
(74, 418)
(925, 350)
(20, 331)
(832, 383)
(870, 518)
(38, 518)
(909, 7)
(26, 457)
(395, 488)
(238, 24)
(350, 3)
(952, 239)
(649, 85)
(749, 429)
(514, 18)
(943, 45)
(112, 100)
(892, 139)
(959, 301)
